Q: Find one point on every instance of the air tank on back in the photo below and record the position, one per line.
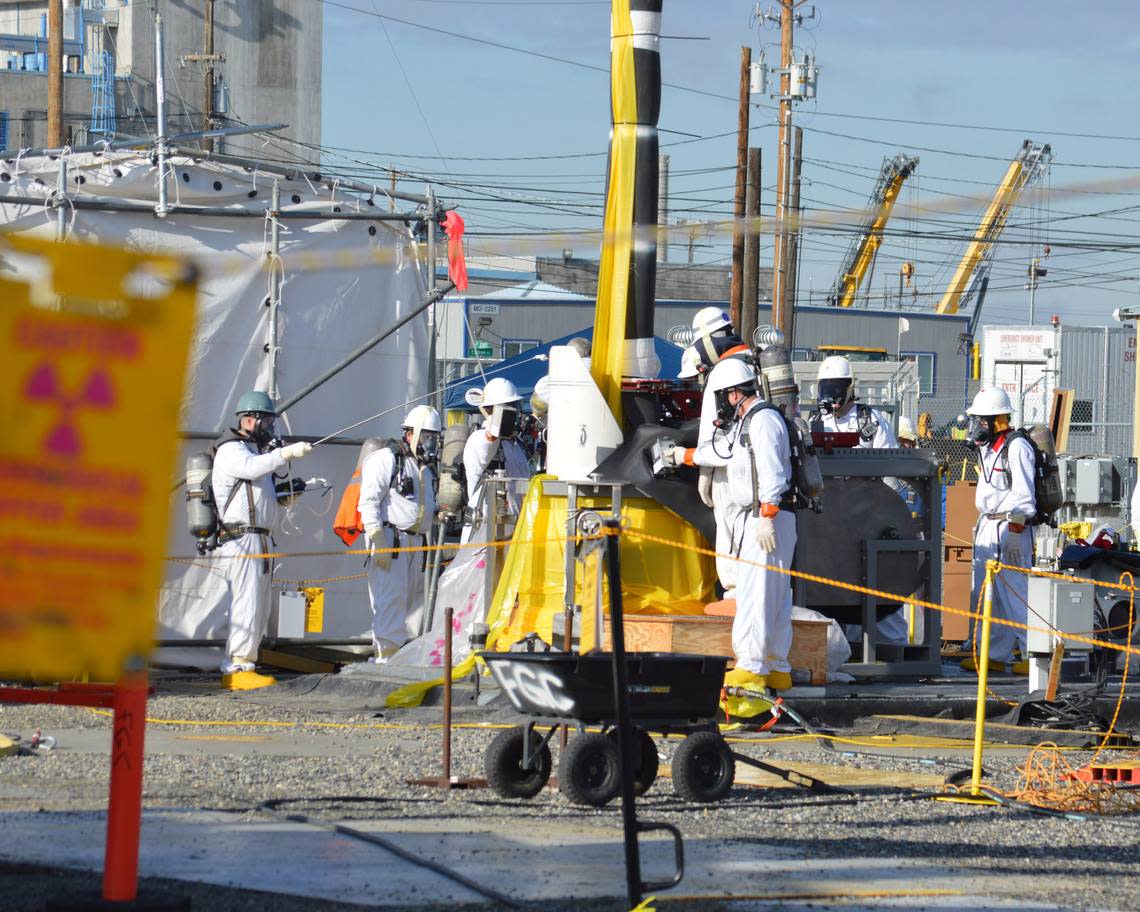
(452, 495)
(778, 378)
(201, 518)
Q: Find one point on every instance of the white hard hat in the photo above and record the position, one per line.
(991, 400)
(906, 429)
(708, 320)
(690, 363)
(729, 373)
(423, 418)
(835, 367)
(499, 391)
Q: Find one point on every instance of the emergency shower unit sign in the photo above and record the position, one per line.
(94, 356)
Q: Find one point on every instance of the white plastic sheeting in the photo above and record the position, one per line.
(343, 282)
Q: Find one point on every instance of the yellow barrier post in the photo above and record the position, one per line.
(976, 796)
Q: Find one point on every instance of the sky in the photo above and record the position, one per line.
(517, 141)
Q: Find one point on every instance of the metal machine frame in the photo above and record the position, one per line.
(918, 468)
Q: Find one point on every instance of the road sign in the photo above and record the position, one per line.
(94, 352)
(480, 349)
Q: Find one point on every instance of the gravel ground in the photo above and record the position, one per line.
(1086, 865)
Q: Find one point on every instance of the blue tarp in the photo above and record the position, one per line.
(524, 370)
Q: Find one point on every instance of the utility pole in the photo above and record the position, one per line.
(209, 81)
(751, 299)
(208, 78)
(55, 74)
(662, 208)
(736, 288)
(793, 277)
(784, 121)
(797, 82)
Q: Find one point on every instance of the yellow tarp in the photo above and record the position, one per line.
(617, 222)
(656, 578)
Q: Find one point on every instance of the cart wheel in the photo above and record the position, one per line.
(589, 771)
(505, 773)
(645, 762)
(703, 767)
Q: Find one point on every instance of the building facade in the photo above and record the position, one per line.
(269, 71)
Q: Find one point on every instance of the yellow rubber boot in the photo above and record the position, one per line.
(969, 664)
(779, 680)
(246, 680)
(1021, 668)
(741, 677)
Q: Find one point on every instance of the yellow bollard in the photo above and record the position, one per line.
(976, 796)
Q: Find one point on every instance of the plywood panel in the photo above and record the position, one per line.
(713, 636)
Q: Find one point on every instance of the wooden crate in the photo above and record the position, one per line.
(713, 636)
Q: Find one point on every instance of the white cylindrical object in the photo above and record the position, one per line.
(758, 79)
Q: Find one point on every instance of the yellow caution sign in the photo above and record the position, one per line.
(314, 610)
(94, 349)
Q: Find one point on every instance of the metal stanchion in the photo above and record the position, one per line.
(447, 781)
(976, 796)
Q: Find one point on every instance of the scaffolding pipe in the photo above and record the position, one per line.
(221, 211)
(274, 283)
(136, 142)
(61, 200)
(162, 208)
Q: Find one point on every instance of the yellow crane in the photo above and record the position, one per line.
(972, 274)
(860, 257)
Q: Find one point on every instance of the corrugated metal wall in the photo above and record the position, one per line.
(1097, 363)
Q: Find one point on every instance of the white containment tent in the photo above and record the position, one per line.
(332, 269)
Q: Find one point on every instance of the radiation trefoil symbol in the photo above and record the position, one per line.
(44, 386)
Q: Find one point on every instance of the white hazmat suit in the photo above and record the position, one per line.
(393, 579)
(762, 629)
(236, 463)
(478, 454)
(711, 455)
(1005, 486)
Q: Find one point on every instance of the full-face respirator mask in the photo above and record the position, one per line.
(834, 395)
(725, 410)
(981, 430)
(264, 432)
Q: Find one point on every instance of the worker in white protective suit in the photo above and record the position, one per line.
(1007, 506)
(397, 507)
(492, 446)
(759, 474)
(246, 499)
(838, 412)
(714, 341)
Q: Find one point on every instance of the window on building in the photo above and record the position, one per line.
(3, 129)
(925, 362)
(801, 354)
(512, 347)
(1081, 420)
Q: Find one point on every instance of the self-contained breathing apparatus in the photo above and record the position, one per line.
(203, 518)
(1048, 494)
(779, 391)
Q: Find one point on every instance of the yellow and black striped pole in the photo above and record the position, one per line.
(623, 322)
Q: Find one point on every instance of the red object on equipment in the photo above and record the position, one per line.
(127, 699)
(829, 440)
(456, 263)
